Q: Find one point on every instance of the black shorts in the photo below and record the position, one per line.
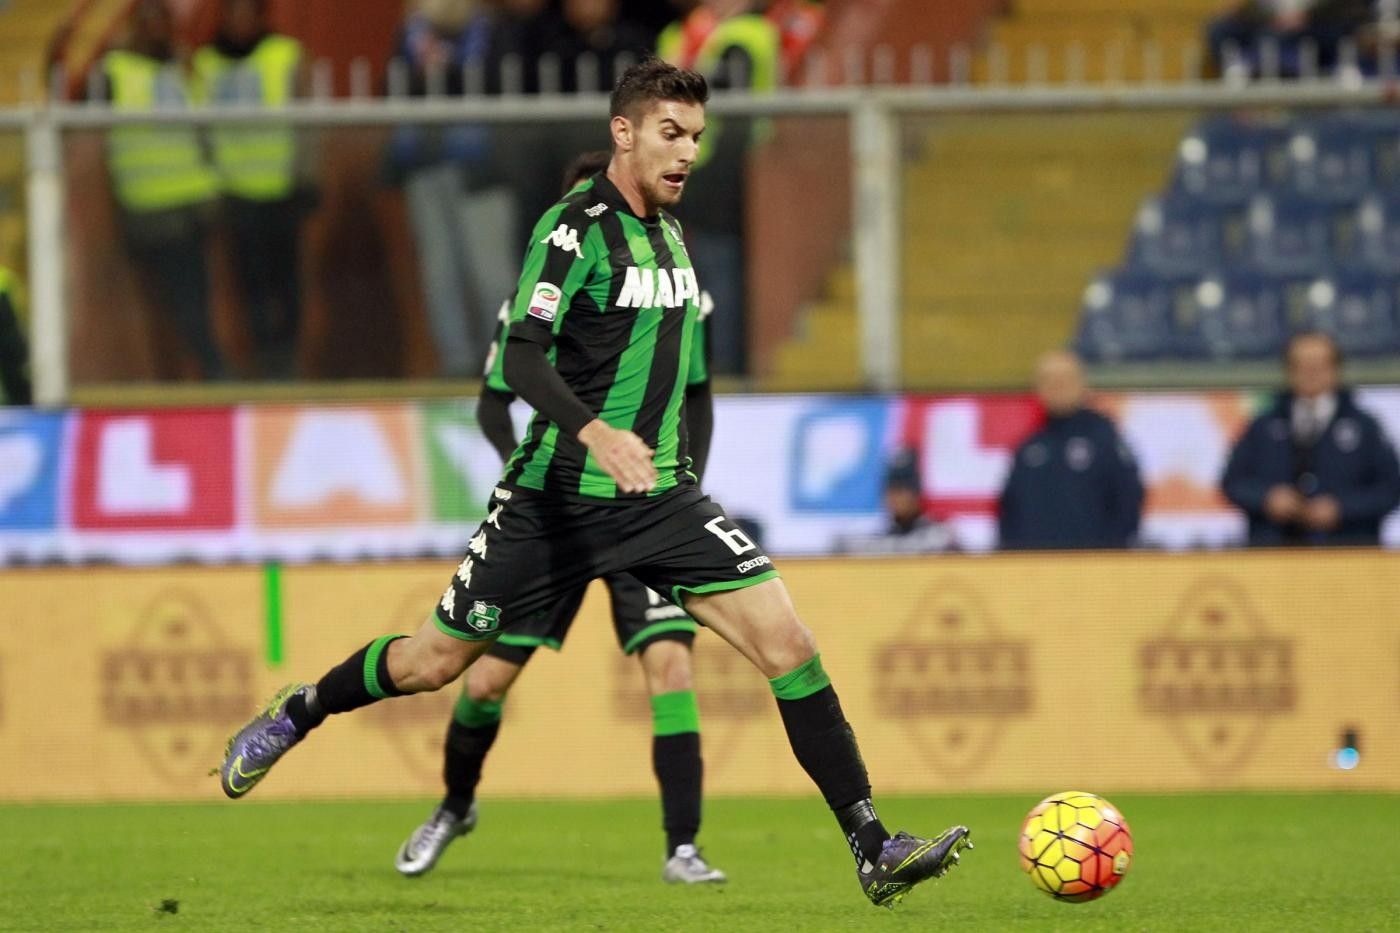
(533, 551)
(640, 616)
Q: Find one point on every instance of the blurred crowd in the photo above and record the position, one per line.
(471, 191)
(1293, 38)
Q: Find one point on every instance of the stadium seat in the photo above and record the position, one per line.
(1358, 310)
(1371, 240)
(1127, 316)
(1330, 160)
(1238, 316)
(1289, 236)
(1228, 161)
(1177, 236)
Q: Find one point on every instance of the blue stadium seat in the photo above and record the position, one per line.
(1239, 316)
(1289, 236)
(1330, 160)
(1126, 316)
(1177, 236)
(1227, 161)
(1358, 310)
(1371, 239)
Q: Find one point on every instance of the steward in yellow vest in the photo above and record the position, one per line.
(735, 48)
(14, 349)
(248, 65)
(162, 181)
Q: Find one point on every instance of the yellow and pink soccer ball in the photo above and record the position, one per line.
(1075, 846)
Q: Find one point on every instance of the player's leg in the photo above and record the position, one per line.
(728, 584)
(476, 721)
(760, 622)
(676, 758)
(660, 634)
(389, 666)
(531, 565)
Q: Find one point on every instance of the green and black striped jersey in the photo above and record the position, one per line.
(613, 299)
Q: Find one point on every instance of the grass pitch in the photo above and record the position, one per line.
(1221, 862)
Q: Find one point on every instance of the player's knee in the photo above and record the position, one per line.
(786, 647)
(483, 687)
(667, 666)
(434, 670)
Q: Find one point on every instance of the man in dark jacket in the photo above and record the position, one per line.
(1314, 468)
(1074, 483)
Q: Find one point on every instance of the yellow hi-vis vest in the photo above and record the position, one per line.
(154, 167)
(752, 32)
(254, 162)
(9, 289)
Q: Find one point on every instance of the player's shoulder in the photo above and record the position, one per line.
(580, 209)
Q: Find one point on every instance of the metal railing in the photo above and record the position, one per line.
(873, 113)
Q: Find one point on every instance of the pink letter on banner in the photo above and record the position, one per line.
(154, 470)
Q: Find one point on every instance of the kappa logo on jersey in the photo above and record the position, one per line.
(566, 238)
(596, 210)
(544, 301)
(658, 288)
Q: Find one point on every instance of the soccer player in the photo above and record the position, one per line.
(659, 633)
(600, 340)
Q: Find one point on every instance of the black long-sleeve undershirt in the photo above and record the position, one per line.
(493, 414)
(531, 376)
(699, 425)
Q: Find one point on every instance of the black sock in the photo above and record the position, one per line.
(825, 746)
(305, 712)
(865, 834)
(359, 680)
(680, 772)
(466, 749)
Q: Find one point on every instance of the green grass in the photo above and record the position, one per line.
(1220, 862)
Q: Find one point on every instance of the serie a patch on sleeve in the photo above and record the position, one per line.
(544, 301)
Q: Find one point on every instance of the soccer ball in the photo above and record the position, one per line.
(1075, 846)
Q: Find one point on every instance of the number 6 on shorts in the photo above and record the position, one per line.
(735, 538)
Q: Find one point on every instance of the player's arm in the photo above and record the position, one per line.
(699, 399)
(553, 274)
(493, 415)
(493, 405)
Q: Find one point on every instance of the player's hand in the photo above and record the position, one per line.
(623, 455)
(1323, 513)
(1283, 504)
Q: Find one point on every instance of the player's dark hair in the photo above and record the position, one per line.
(585, 165)
(1337, 358)
(652, 80)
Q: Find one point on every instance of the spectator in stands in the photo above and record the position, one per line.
(164, 187)
(799, 22)
(265, 198)
(1074, 483)
(1314, 468)
(1289, 26)
(590, 34)
(464, 215)
(909, 531)
(737, 48)
(14, 349)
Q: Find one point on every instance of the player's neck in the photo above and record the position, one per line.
(631, 192)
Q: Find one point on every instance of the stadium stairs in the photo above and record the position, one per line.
(1013, 214)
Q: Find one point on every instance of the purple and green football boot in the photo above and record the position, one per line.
(256, 747)
(907, 860)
